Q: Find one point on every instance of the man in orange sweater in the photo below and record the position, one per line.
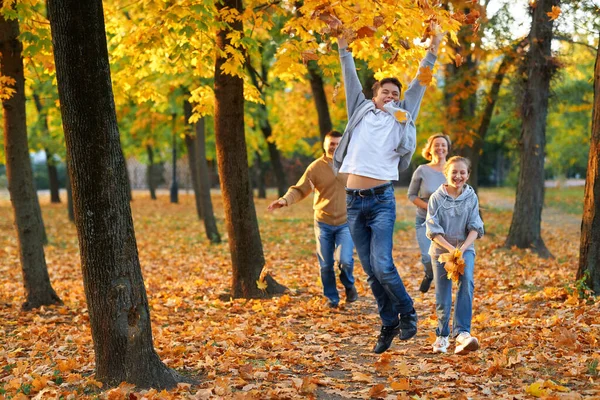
(331, 228)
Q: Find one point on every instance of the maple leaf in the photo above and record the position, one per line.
(536, 389)
(402, 384)
(472, 17)
(366, 31)
(400, 116)
(360, 377)
(554, 14)
(458, 60)
(384, 363)
(454, 264)
(425, 76)
(377, 391)
(309, 55)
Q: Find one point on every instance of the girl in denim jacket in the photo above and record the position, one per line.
(452, 222)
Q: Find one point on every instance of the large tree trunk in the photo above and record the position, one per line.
(38, 290)
(525, 228)
(190, 144)
(247, 257)
(151, 173)
(129, 188)
(112, 277)
(318, 91)
(174, 188)
(589, 253)
(210, 222)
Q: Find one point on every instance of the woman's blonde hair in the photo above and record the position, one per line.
(426, 153)
(456, 159)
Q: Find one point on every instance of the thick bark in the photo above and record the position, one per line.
(38, 290)
(190, 144)
(525, 228)
(210, 222)
(245, 245)
(318, 91)
(589, 249)
(129, 189)
(174, 188)
(114, 287)
(151, 173)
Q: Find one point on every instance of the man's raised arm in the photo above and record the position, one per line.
(352, 86)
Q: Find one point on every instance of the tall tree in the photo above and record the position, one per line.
(318, 90)
(589, 250)
(174, 189)
(38, 289)
(190, 145)
(112, 277)
(245, 245)
(539, 66)
(210, 222)
(151, 171)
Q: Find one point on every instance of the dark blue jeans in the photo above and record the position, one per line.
(333, 239)
(371, 220)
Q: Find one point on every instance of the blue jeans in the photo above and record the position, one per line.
(463, 307)
(371, 221)
(331, 240)
(424, 244)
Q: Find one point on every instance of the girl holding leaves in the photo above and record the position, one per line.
(453, 223)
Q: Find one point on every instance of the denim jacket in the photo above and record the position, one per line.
(357, 106)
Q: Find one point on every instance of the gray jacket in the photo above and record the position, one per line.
(358, 106)
(452, 218)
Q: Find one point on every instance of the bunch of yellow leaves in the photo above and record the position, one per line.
(454, 264)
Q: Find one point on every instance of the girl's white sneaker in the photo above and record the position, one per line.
(465, 343)
(441, 344)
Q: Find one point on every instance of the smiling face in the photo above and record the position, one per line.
(439, 149)
(386, 93)
(330, 144)
(457, 174)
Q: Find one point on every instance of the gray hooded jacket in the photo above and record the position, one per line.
(358, 106)
(452, 218)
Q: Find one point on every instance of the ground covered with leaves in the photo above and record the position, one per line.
(537, 327)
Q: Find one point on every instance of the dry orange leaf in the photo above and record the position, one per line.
(366, 31)
(377, 391)
(458, 60)
(402, 384)
(554, 13)
(425, 76)
(360, 377)
(400, 116)
(454, 264)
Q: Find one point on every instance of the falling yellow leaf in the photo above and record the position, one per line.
(454, 264)
(425, 76)
(400, 116)
(554, 13)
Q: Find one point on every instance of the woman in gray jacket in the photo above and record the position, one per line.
(425, 180)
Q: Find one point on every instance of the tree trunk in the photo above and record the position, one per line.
(318, 91)
(151, 177)
(114, 287)
(52, 171)
(129, 189)
(267, 130)
(259, 176)
(525, 228)
(52, 178)
(589, 250)
(190, 144)
(38, 289)
(174, 188)
(245, 245)
(210, 222)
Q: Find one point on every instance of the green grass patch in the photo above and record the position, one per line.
(403, 225)
(568, 200)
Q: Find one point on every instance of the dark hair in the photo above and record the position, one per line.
(333, 134)
(426, 153)
(456, 159)
(382, 82)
